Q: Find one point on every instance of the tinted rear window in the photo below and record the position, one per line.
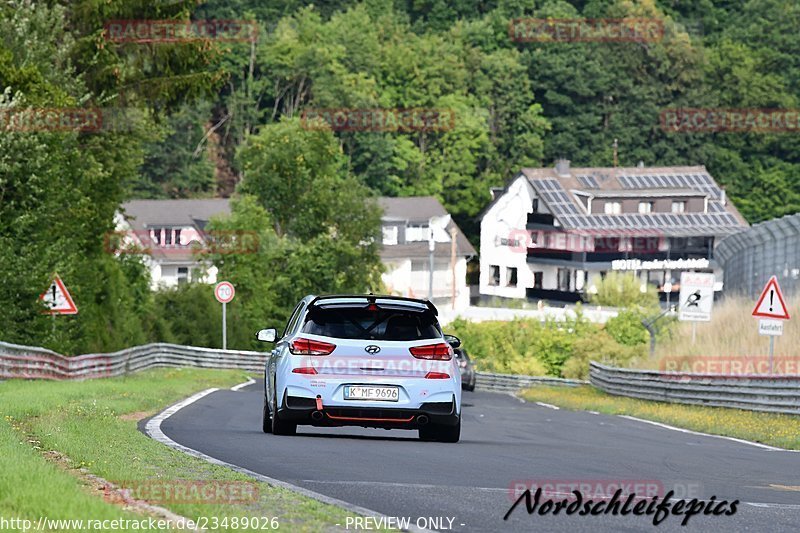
(384, 324)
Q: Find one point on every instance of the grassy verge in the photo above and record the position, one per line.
(772, 429)
(86, 422)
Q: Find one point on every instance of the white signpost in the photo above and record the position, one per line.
(224, 293)
(696, 298)
(772, 311)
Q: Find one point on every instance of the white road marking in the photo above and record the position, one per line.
(548, 405)
(734, 439)
(404, 485)
(249, 381)
(153, 430)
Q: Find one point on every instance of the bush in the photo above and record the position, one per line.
(522, 346)
(600, 347)
(620, 289)
(626, 328)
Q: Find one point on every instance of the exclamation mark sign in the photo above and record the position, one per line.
(771, 297)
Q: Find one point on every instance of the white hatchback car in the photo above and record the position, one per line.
(371, 361)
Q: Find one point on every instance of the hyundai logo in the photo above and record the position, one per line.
(372, 349)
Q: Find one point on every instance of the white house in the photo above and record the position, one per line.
(409, 225)
(553, 233)
(171, 230)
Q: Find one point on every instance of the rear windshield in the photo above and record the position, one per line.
(383, 324)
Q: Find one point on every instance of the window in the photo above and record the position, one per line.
(645, 208)
(293, 320)
(167, 237)
(511, 276)
(678, 206)
(538, 278)
(389, 235)
(382, 324)
(417, 233)
(613, 208)
(563, 279)
(178, 237)
(183, 275)
(155, 234)
(494, 278)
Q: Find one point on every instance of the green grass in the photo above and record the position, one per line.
(82, 421)
(778, 430)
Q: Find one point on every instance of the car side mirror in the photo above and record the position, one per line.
(267, 335)
(453, 341)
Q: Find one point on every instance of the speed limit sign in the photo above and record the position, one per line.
(224, 292)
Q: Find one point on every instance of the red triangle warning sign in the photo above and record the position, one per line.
(770, 303)
(58, 299)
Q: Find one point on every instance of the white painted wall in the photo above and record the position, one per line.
(411, 278)
(507, 218)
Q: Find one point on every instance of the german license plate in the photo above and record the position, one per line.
(371, 392)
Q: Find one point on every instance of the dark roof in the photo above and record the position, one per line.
(143, 214)
(195, 213)
(420, 209)
(411, 208)
(559, 194)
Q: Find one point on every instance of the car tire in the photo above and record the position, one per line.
(441, 432)
(281, 427)
(266, 422)
(470, 386)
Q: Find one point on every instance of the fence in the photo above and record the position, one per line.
(512, 383)
(751, 257)
(39, 363)
(774, 394)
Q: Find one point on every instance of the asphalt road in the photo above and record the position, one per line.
(504, 442)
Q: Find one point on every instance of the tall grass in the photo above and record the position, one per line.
(732, 333)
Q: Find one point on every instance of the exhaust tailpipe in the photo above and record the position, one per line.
(316, 416)
(422, 420)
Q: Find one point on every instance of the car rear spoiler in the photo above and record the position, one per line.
(373, 298)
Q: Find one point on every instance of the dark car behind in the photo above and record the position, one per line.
(467, 368)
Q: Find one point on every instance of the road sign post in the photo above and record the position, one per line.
(224, 293)
(771, 309)
(58, 300)
(696, 299)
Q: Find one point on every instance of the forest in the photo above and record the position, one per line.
(195, 118)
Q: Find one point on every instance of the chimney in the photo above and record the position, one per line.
(723, 197)
(562, 167)
(640, 164)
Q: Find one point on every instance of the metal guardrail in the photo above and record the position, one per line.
(774, 394)
(488, 381)
(29, 362)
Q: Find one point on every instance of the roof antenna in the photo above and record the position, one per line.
(616, 146)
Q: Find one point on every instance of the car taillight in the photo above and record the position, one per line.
(436, 352)
(437, 375)
(305, 370)
(310, 347)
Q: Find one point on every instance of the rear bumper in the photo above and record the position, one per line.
(304, 411)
